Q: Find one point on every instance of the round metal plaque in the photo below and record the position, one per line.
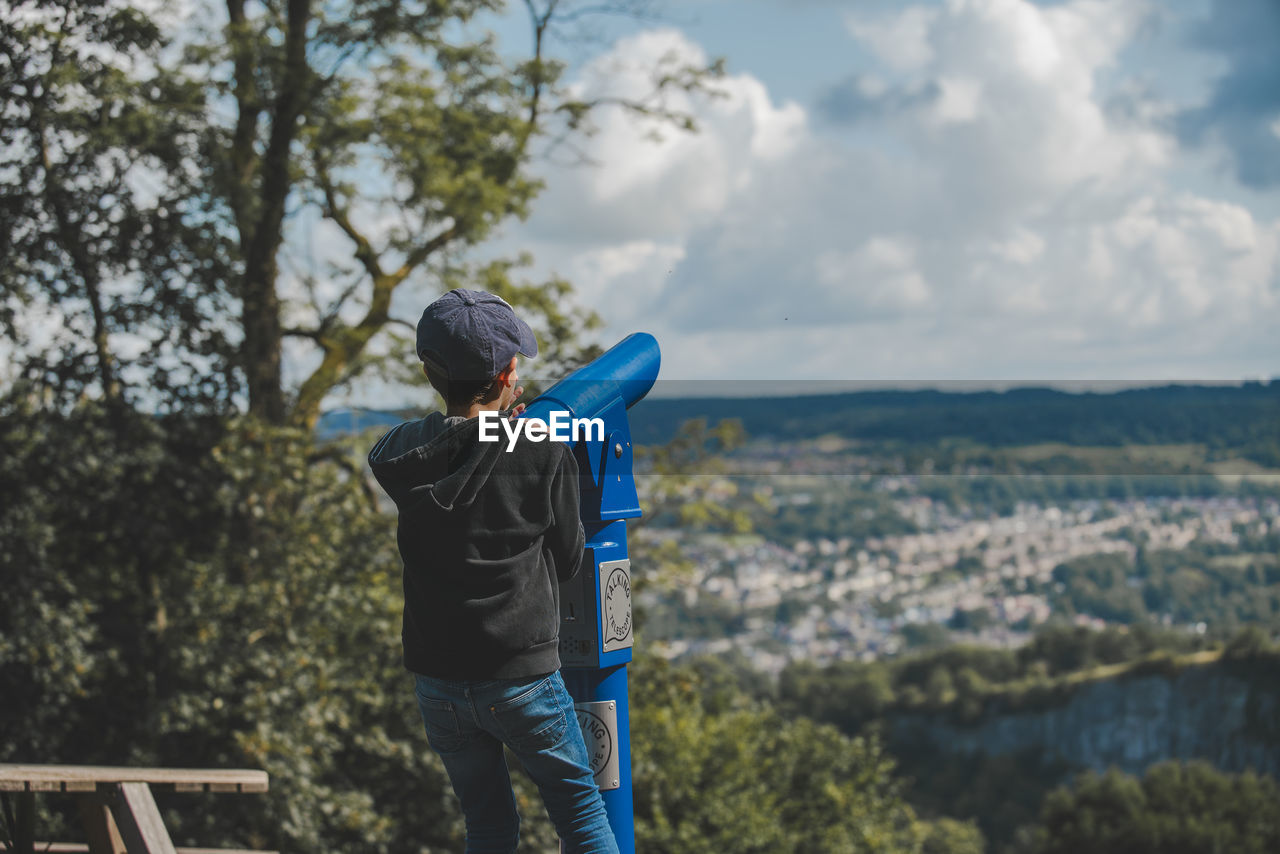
(599, 723)
(615, 604)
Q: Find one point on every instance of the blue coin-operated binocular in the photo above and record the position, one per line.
(595, 606)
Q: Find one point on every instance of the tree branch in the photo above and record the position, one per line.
(330, 318)
(540, 21)
(423, 252)
(365, 253)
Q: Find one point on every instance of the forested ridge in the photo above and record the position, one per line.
(1244, 417)
(976, 430)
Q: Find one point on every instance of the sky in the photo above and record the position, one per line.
(955, 193)
(978, 191)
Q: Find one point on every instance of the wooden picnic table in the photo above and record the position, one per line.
(116, 804)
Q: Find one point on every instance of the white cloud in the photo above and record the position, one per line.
(625, 279)
(1190, 260)
(647, 188)
(879, 277)
(986, 218)
(959, 100)
(1021, 247)
(901, 41)
(1015, 112)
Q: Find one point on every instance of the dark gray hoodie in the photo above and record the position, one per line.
(486, 536)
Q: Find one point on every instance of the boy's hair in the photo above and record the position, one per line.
(458, 392)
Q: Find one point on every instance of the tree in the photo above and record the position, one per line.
(217, 598)
(948, 836)
(717, 772)
(396, 131)
(1175, 808)
(98, 230)
(683, 483)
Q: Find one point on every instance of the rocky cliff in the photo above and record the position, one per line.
(1227, 713)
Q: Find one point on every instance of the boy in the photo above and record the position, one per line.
(486, 536)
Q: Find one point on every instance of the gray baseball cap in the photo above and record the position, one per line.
(472, 335)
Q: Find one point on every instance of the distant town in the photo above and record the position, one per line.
(954, 573)
(865, 525)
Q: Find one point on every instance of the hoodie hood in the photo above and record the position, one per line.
(436, 459)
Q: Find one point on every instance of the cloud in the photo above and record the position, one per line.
(1243, 111)
(652, 181)
(627, 277)
(1004, 92)
(975, 208)
(880, 276)
(903, 41)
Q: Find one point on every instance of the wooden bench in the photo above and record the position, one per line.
(82, 848)
(116, 804)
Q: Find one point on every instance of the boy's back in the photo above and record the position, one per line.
(486, 535)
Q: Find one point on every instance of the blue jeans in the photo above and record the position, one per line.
(469, 722)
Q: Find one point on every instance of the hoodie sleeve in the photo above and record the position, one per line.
(565, 539)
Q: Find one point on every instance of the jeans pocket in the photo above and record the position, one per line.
(441, 722)
(535, 720)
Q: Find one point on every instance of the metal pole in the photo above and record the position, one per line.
(596, 629)
(609, 686)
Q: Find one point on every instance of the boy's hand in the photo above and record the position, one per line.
(518, 407)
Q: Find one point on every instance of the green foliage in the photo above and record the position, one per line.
(1175, 809)
(293, 633)
(681, 486)
(93, 571)
(965, 680)
(715, 771)
(1188, 585)
(1001, 493)
(963, 684)
(948, 836)
(212, 595)
(153, 165)
(707, 619)
(716, 766)
(924, 635)
(226, 594)
(1002, 793)
(89, 120)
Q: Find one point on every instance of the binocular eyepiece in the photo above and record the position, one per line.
(624, 373)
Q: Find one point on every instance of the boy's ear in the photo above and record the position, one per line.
(507, 377)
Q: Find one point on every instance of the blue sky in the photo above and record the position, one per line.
(986, 191)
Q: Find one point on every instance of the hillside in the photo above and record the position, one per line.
(1245, 417)
(986, 734)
